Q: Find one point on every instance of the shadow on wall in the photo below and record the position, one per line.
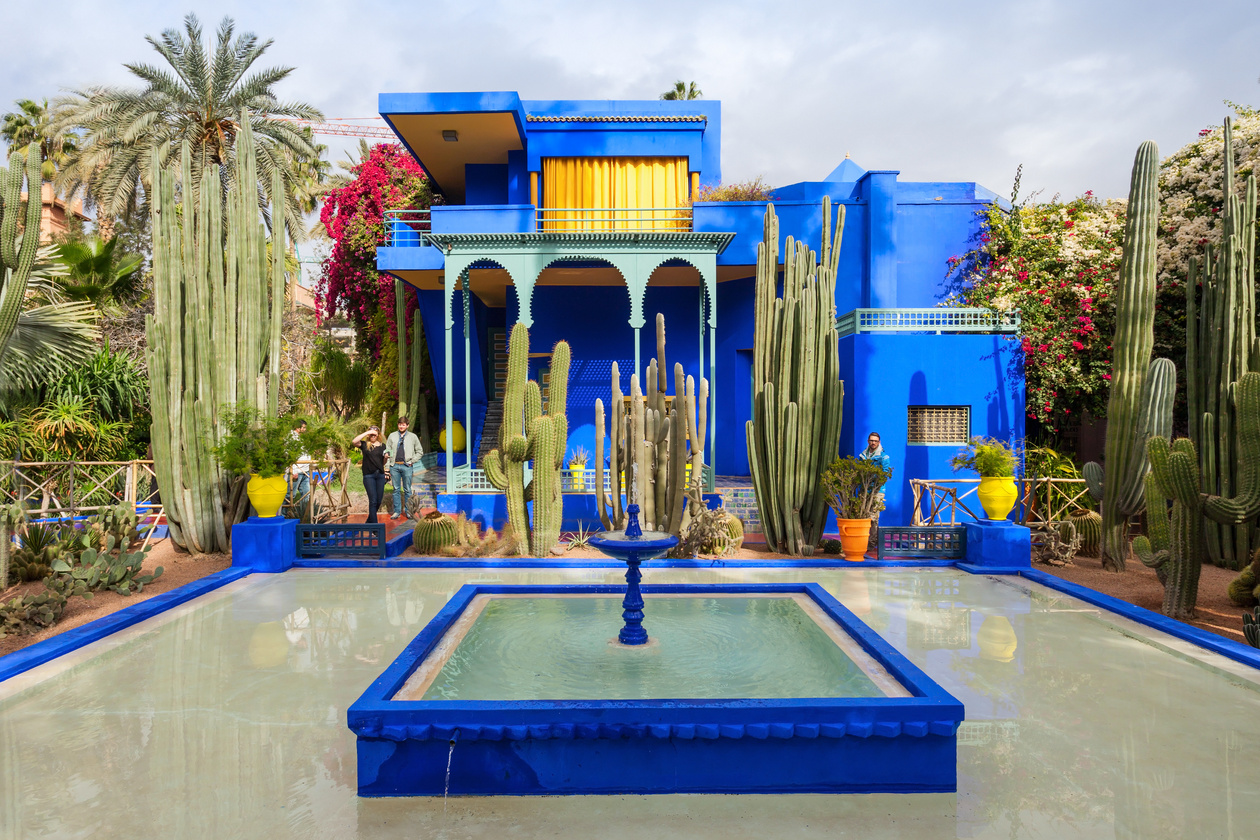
(916, 460)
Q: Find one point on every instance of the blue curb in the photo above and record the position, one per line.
(1237, 651)
(399, 544)
(979, 569)
(37, 654)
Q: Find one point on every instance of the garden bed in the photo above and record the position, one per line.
(179, 568)
(1138, 585)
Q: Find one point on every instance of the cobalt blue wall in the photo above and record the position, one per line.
(594, 320)
(883, 374)
(486, 183)
(431, 311)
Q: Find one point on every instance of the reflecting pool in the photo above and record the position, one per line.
(227, 718)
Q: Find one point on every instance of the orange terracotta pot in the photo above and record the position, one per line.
(855, 535)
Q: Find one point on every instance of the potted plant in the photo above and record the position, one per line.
(577, 466)
(854, 491)
(995, 461)
(263, 448)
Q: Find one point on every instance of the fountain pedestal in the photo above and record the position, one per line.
(632, 547)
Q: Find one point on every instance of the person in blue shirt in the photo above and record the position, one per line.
(875, 452)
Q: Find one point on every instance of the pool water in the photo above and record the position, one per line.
(227, 718)
(710, 648)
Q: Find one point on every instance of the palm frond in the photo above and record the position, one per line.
(47, 340)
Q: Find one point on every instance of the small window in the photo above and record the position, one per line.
(938, 424)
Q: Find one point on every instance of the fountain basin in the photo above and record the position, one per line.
(571, 713)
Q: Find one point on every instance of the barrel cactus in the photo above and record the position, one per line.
(1244, 590)
(434, 532)
(1088, 525)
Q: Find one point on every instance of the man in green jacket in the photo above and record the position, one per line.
(402, 453)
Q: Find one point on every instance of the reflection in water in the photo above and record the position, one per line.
(229, 721)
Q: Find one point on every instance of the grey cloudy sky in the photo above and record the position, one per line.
(960, 91)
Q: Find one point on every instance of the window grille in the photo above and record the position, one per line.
(934, 424)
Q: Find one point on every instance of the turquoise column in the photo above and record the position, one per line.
(449, 323)
(468, 431)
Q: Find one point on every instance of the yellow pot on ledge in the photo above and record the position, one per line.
(267, 494)
(998, 496)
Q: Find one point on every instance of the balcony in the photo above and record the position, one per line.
(928, 320)
(619, 219)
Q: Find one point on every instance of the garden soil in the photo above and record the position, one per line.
(1138, 585)
(178, 568)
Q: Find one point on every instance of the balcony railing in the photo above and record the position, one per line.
(937, 320)
(471, 480)
(632, 219)
(404, 228)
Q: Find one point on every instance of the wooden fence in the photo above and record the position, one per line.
(1043, 502)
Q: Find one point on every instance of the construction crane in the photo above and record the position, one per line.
(341, 127)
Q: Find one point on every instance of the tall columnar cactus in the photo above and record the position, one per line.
(654, 444)
(1173, 548)
(212, 337)
(1243, 506)
(528, 434)
(1221, 348)
(1140, 404)
(17, 251)
(798, 396)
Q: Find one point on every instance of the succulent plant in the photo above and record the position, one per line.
(1088, 525)
(1174, 546)
(433, 532)
(798, 396)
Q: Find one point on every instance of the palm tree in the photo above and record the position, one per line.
(96, 274)
(683, 91)
(40, 334)
(33, 124)
(201, 97)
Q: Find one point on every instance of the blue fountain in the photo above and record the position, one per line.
(632, 546)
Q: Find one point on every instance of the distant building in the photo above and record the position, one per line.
(56, 214)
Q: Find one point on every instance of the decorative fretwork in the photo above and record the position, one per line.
(938, 424)
(940, 319)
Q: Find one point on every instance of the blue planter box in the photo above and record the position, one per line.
(807, 745)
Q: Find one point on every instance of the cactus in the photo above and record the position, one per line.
(528, 434)
(1088, 525)
(656, 444)
(12, 518)
(213, 337)
(1140, 403)
(798, 396)
(1220, 350)
(1173, 547)
(434, 532)
(1251, 628)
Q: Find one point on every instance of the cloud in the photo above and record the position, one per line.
(961, 92)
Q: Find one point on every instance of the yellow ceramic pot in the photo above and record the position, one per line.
(458, 439)
(855, 535)
(267, 494)
(579, 478)
(998, 496)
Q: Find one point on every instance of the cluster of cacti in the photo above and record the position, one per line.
(214, 335)
(119, 522)
(656, 451)
(527, 434)
(433, 532)
(118, 571)
(40, 547)
(1058, 545)
(798, 395)
(1221, 348)
(1251, 628)
(1244, 590)
(11, 518)
(33, 611)
(1142, 391)
(1088, 526)
(1173, 547)
(711, 531)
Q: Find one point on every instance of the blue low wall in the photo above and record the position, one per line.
(489, 510)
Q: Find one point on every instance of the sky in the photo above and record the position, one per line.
(963, 91)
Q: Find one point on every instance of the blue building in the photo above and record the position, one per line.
(578, 219)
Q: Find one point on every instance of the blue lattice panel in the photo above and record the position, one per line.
(941, 542)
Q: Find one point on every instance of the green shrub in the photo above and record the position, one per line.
(754, 190)
(254, 444)
(853, 487)
(990, 457)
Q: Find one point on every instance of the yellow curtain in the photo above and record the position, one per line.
(609, 193)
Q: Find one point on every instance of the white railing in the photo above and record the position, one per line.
(472, 480)
(938, 320)
(585, 219)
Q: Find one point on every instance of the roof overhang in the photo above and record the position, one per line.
(681, 241)
(488, 125)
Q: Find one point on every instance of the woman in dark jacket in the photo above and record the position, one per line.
(373, 449)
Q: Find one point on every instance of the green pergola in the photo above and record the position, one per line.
(524, 256)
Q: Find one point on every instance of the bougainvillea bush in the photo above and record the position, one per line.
(354, 217)
(1056, 263)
